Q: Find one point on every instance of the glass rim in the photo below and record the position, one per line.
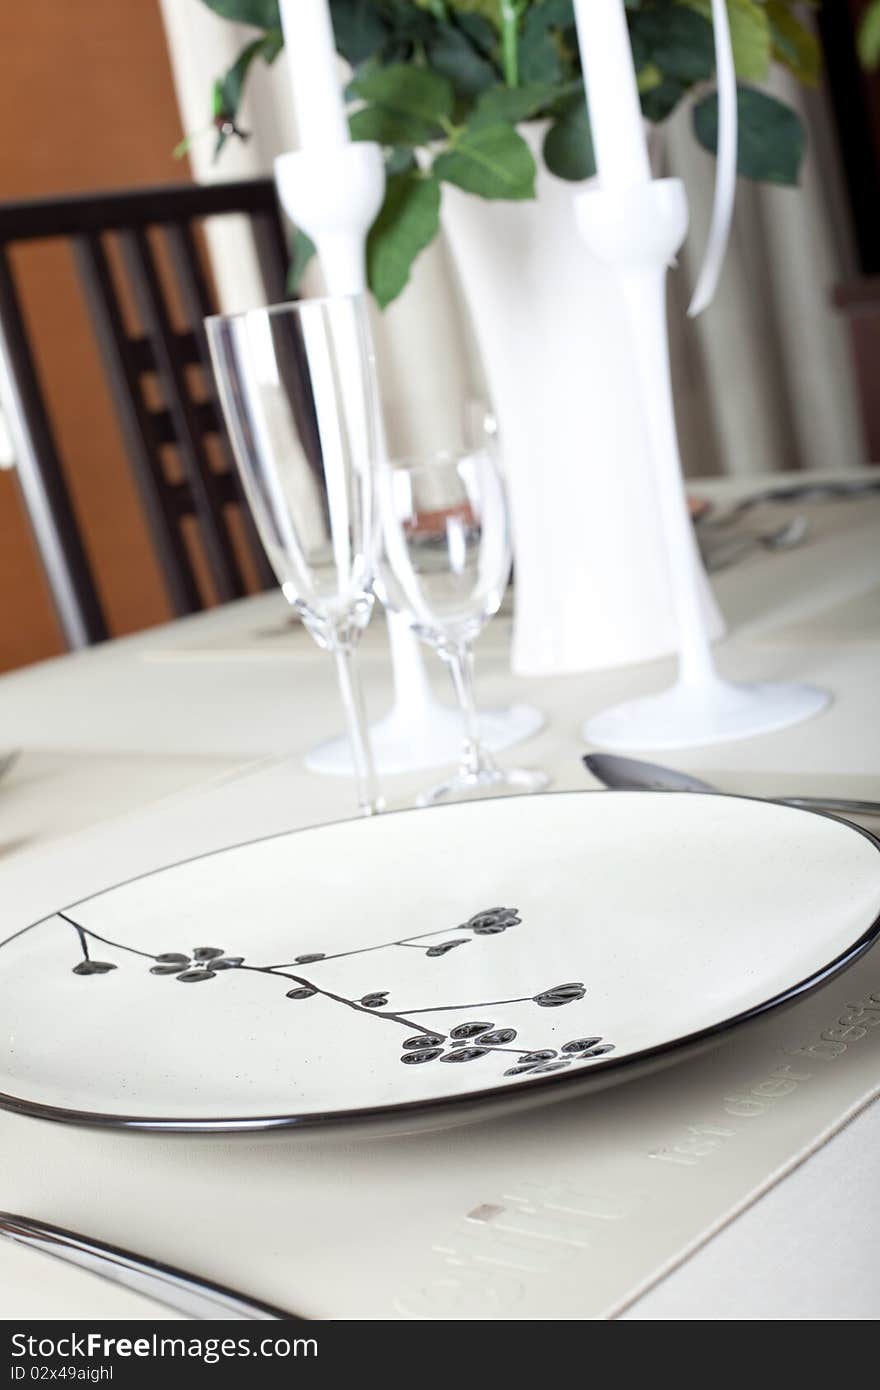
(288, 306)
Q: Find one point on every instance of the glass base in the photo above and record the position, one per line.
(412, 741)
(693, 716)
(496, 781)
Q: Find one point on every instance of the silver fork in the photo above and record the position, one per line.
(186, 1293)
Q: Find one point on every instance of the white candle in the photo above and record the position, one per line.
(616, 119)
(314, 72)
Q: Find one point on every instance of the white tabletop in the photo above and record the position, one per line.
(191, 736)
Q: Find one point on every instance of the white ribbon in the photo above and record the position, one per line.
(725, 173)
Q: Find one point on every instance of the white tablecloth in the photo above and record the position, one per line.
(191, 736)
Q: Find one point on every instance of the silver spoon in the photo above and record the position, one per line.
(187, 1293)
(630, 774)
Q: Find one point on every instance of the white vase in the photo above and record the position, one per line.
(592, 587)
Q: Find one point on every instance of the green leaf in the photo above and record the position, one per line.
(302, 249)
(512, 104)
(676, 39)
(649, 77)
(273, 43)
(491, 161)
(408, 26)
(367, 66)
(228, 91)
(408, 221)
(868, 37)
(540, 55)
(481, 33)
(771, 136)
(490, 9)
(399, 161)
(390, 127)
(568, 144)
(358, 28)
(660, 101)
(410, 91)
(749, 33)
(553, 14)
(794, 44)
(261, 13)
(752, 43)
(453, 55)
(182, 148)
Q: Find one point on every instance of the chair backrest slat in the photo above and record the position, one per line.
(143, 358)
(142, 429)
(272, 254)
(198, 304)
(144, 277)
(50, 507)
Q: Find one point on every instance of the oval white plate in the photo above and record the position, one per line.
(418, 965)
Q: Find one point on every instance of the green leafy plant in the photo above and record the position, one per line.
(869, 37)
(443, 86)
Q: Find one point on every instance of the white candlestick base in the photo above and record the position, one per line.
(404, 744)
(688, 716)
(636, 232)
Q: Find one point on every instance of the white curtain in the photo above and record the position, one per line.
(763, 378)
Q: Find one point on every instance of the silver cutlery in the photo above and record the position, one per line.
(8, 760)
(845, 490)
(720, 550)
(186, 1293)
(631, 774)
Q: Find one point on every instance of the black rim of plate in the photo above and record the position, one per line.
(567, 1083)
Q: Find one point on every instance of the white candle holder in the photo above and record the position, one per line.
(334, 194)
(636, 232)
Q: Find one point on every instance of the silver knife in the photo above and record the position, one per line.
(185, 1293)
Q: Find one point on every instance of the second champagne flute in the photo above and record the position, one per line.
(445, 565)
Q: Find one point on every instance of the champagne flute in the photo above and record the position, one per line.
(445, 564)
(298, 392)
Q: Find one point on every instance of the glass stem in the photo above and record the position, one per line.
(474, 758)
(369, 801)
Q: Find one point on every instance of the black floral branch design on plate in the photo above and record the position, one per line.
(489, 923)
(88, 965)
(203, 964)
(464, 1042)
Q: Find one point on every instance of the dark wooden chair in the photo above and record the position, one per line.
(169, 294)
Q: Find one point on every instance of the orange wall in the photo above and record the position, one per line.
(86, 103)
